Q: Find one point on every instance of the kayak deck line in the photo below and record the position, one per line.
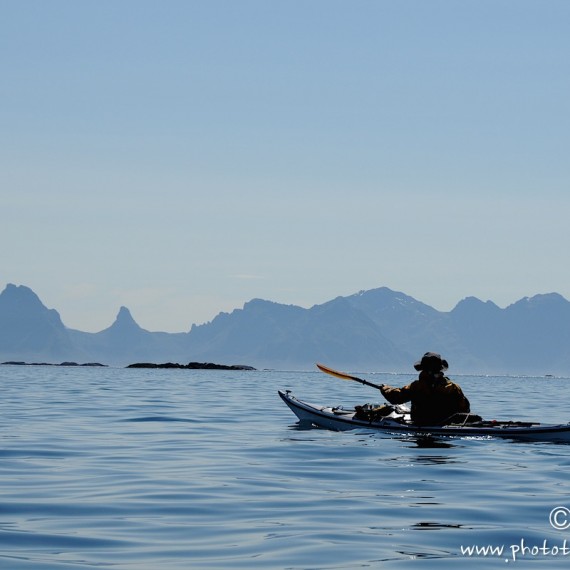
(340, 419)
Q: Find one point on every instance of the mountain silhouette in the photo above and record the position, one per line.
(376, 330)
(28, 330)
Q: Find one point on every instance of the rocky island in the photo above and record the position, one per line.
(192, 366)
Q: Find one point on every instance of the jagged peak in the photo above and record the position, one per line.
(20, 293)
(262, 304)
(124, 320)
(19, 301)
(552, 299)
(378, 291)
(556, 297)
(124, 314)
(475, 303)
(257, 302)
(386, 298)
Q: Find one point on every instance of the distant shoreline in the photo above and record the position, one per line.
(151, 365)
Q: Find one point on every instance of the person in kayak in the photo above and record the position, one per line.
(434, 397)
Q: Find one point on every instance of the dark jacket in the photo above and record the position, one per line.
(434, 398)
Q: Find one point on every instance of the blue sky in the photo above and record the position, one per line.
(184, 157)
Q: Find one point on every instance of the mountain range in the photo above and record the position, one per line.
(375, 330)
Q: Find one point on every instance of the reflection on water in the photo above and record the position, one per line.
(429, 442)
(434, 526)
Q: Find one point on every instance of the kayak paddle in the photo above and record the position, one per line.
(344, 376)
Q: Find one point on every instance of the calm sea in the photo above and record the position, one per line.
(182, 469)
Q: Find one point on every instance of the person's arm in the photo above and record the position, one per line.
(463, 405)
(396, 395)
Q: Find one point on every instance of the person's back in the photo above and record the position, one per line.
(434, 397)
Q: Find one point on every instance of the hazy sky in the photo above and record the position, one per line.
(182, 157)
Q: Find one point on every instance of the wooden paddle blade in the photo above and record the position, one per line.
(344, 376)
(336, 373)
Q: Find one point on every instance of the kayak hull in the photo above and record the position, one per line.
(341, 420)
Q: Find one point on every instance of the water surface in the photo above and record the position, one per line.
(178, 469)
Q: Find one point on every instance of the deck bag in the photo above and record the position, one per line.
(372, 413)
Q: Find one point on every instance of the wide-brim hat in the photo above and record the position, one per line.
(431, 361)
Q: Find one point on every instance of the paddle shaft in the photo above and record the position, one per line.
(344, 376)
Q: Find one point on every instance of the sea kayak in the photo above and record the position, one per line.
(398, 422)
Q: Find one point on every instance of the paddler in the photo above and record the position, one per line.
(434, 397)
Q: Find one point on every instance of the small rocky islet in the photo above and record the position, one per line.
(192, 366)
